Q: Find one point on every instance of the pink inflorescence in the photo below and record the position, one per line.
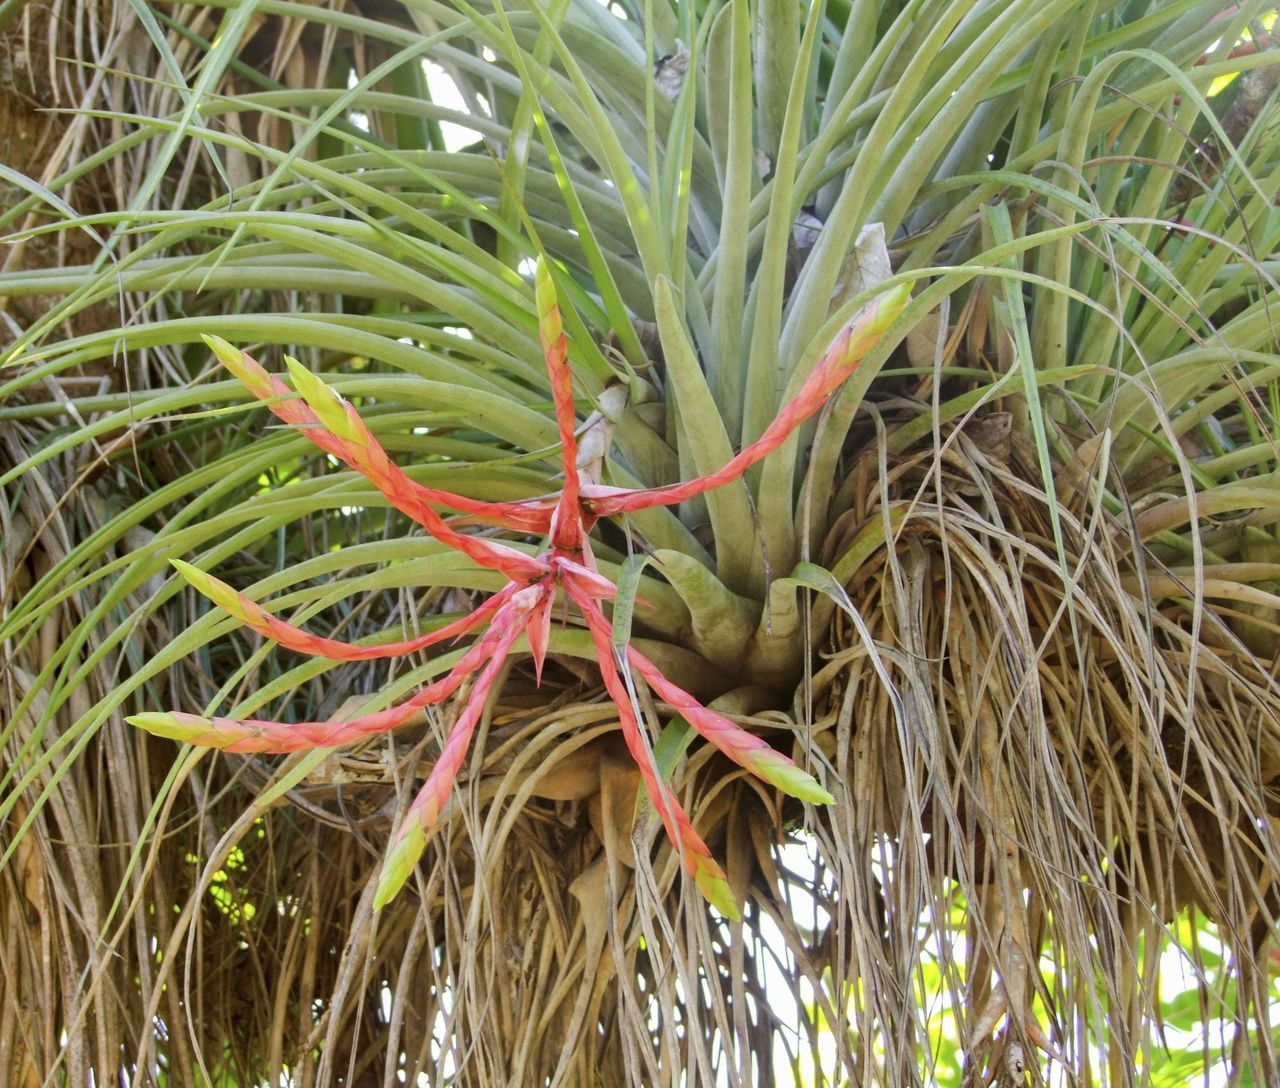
(524, 605)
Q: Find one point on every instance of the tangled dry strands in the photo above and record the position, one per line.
(1063, 758)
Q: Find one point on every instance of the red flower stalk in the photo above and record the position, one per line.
(405, 494)
(840, 361)
(524, 605)
(253, 615)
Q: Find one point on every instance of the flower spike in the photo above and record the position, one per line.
(538, 630)
(566, 524)
(745, 749)
(410, 839)
(530, 516)
(256, 735)
(524, 605)
(254, 616)
(359, 449)
(841, 360)
(695, 854)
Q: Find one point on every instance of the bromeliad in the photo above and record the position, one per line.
(524, 605)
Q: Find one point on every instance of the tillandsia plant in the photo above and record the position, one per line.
(1015, 600)
(525, 604)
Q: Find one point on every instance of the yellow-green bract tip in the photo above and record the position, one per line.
(192, 574)
(711, 882)
(779, 771)
(307, 383)
(225, 352)
(820, 796)
(797, 782)
(207, 584)
(152, 723)
(215, 589)
(544, 297)
(322, 399)
(892, 303)
(242, 366)
(173, 726)
(399, 863)
(542, 272)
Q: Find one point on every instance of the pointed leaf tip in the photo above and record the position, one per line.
(891, 304)
(714, 886)
(321, 398)
(182, 727)
(221, 348)
(786, 775)
(400, 861)
(242, 366)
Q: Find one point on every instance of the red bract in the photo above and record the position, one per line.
(524, 605)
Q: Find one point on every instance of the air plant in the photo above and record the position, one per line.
(524, 605)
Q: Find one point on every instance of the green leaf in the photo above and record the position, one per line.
(624, 603)
(704, 435)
